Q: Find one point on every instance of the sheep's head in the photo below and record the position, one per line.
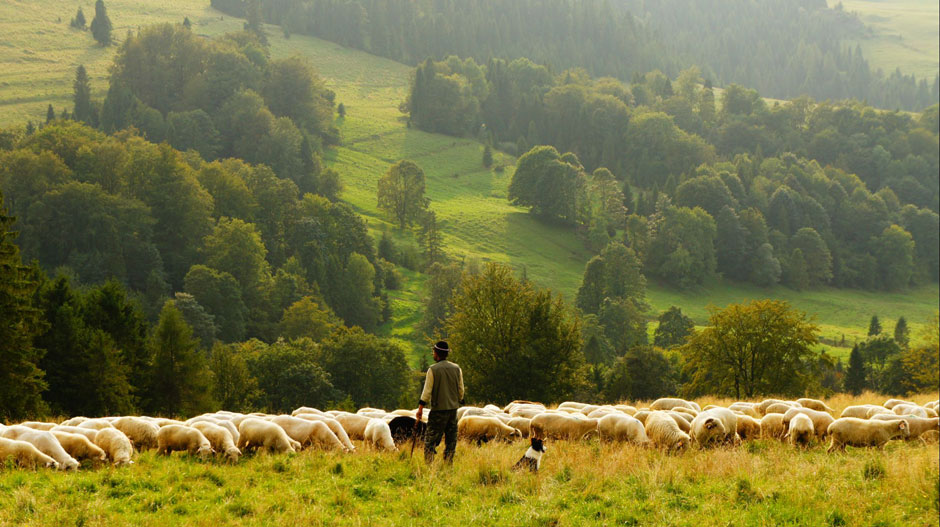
(52, 464)
(233, 453)
(205, 451)
(905, 430)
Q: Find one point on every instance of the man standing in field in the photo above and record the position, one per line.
(443, 392)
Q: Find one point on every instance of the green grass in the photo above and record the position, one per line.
(38, 55)
(905, 34)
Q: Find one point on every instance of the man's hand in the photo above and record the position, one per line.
(419, 414)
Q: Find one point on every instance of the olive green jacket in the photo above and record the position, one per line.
(443, 387)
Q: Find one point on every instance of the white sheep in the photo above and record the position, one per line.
(25, 454)
(821, 420)
(561, 426)
(182, 438)
(748, 427)
(308, 432)
(38, 425)
(142, 433)
(771, 426)
(670, 403)
(718, 425)
(95, 424)
(481, 429)
(308, 410)
(663, 432)
(859, 410)
(859, 432)
(379, 435)
(75, 421)
(258, 433)
(219, 438)
(353, 424)
(45, 442)
(814, 404)
(910, 409)
(780, 408)
(116, 445)
(891, 403)
(800, 431)
(622, 427)
(522, 424)
(219, 420)
(88, 433)
(335, 427)
(917, 425)
(79, 446)
(746, 409)
(572, 404)
(683, 420)
(763, 405)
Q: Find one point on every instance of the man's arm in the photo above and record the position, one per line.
(460, 390)
(426, 393)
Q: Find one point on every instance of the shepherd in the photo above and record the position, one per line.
(443, 393)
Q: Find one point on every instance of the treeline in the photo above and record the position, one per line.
(602, 350)
(221, 98)
(781, 47)
(757, 193)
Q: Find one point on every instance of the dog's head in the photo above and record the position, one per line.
(537, 444)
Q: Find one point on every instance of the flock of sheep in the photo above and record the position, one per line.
(669, 424)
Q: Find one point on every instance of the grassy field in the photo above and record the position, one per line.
(761, 482)
(39, 53)
(905, 34)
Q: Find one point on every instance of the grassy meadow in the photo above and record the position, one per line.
(39, 53)
(905, 34)
(762, 482)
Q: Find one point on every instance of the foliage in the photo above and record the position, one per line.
(232, 383)
(673, 328)
(101, 24)
(922, 363)
(643, 373)
(401, 192)
(443, 281)
(82, 109)
(502, 326)
(874, 326)
(180, 380)
(366, 369)
(752, 349)
(547, 184)
(856, 376)
(288, 375)
(309, 318)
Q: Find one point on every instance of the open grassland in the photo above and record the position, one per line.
(39, 52)
(905, 34)
(761, 482)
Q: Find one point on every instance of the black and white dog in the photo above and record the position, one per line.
(533, 456)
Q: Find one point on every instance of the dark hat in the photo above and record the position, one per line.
(442, 348)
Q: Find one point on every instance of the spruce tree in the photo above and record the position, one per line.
(50, 114)
(874, 327)
(81, 96)
(79, 21)
(101, 24)
(187, 24)
(902, 334)
(341, 110)
(855, 375)
(180, 376)
(21, 381)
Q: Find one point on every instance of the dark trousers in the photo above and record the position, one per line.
(441, 423)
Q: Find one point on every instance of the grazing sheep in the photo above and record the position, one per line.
(748, 427)
(162, 421)
(625, 408)
(859, 410)
(560, 426)
(932, 405)
(88, 433)
(930, 437)
(403, 429)
(307, 410)
(527, 412)
(37, 425)
(821, 420)
(859, 432)
(493, 408)
(219, 421)
(334, 426)
(521, 424)
(910, 409)
(182, 438)
(220, 439)
(482, 429)
(353, 424)
(814, 404)
(663, 432)
(771, 426)
(308, 432)
(379, 435)
(116, 445)
(715, 425)
(75, 421)
(25, 454)
(800, 431)
(258, 433)
(687, 411)
(891, 403)
(641, 416)
(572, 404)
(878, 410)
(622, 427)
(746, 409)
(45, 442)
(95, 424)
(602, 411)
(763, 405)
(79, 446)
(685, 424)
(779, 408)
(143, 434)
(668, 403)
(916, 425)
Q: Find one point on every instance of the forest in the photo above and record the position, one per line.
(783, 48)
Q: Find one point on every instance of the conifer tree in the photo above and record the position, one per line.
(79, 21)
(50, 114)
(81, 96)
(874, 327)
(101, 24)
(21, 381)
(902, 334)
(180, 377)
(855, 375)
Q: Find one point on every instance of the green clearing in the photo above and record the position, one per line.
(38, 56)
(905, 34)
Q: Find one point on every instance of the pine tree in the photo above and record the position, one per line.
(187, 24)
(430, 239)
(101, 24)
(341, 110)
(50, 114)
(255, 19)
(79, 21)
(180, 377)
(902, 334)
(874, 327)
(487, 156)
(30, 128)
(21, 381)
(81, 96)
(855, 375)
